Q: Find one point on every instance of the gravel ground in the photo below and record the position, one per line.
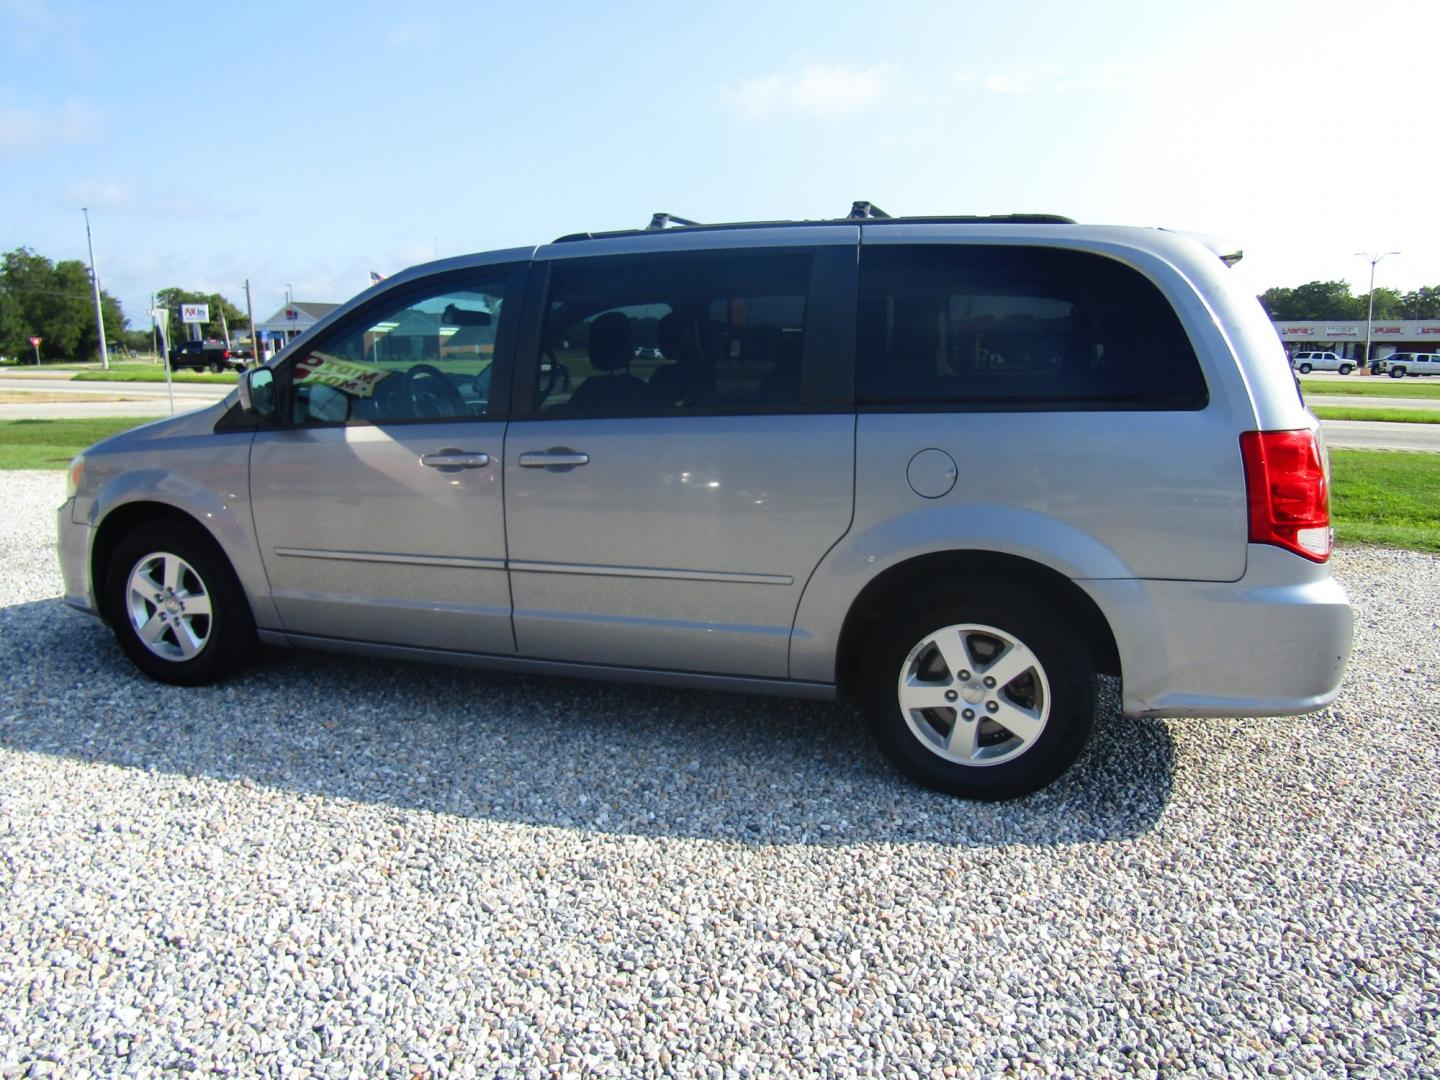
(335, 867)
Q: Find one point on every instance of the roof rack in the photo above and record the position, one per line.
(864, 211)
(661, 220)
(861, 212)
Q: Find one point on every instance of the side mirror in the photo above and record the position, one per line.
(257, 392)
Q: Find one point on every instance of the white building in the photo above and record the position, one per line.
(290, 322)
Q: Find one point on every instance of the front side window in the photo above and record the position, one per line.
(665, 334)
(428, 356)
(990, 327)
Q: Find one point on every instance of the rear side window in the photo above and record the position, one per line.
(678, 333)
(1025, 327)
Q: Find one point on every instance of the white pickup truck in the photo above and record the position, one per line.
(1400, 364)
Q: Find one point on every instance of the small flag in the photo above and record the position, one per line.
(375, 278)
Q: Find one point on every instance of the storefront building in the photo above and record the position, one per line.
(1347, 337)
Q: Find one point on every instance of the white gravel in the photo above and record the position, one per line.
(337, 867)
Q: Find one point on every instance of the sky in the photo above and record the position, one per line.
(303, 145)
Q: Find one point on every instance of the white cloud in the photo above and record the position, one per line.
(1056, 78)
(816, 90)
(24, 129)
(99, 193)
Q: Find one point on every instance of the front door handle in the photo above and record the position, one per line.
(452, 460)
(557, 459)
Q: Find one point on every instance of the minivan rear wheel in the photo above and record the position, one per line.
(984, 695)
(175, 606)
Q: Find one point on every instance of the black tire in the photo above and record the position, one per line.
(1397, 372)
(228, 631)
(1345, 369)
(1304, 369)
(1067, 671)
(216, 367)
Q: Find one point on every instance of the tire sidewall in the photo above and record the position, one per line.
(231, 636)
(1056, 644)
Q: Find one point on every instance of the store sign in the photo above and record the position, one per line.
(1342, 331)
(1389, 329)
(1298, 331)
(194, 313)
(1430, 329)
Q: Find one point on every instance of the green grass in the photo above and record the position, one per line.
(149, 373)
(1396, 416)
(50, 444)
(1373, 386)
(1386, 497)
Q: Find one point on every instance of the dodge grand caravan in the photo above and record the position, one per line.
(953, 468)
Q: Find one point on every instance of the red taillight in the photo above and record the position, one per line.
(227, 354)
(1288, 494)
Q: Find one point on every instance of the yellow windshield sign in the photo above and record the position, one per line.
(357, 380)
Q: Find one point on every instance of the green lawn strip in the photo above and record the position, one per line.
(1394, 416)
(149, 373)
(1386, 497)
(1373, 386)
(50, 444)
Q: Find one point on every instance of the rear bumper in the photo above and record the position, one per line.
(1274, 643)
(74, 552)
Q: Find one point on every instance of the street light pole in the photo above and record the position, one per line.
(95, 281)
(1370, 313)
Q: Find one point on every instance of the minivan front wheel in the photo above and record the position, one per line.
(985, 697)
(1304, 369)
(175, 606)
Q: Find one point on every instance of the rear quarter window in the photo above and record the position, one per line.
(978, 326)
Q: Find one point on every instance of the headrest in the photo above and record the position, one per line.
(610, 342)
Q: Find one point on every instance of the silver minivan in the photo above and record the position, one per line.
(954, 468)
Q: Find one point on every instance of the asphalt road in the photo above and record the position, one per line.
(152, 399)
(51, 398)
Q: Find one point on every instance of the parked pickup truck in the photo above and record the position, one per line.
(200, 355)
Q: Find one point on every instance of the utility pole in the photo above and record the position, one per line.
(1370, 313)
(250, 314)
(95, 281)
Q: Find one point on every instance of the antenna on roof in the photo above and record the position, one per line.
(861, 210)
(661, 220)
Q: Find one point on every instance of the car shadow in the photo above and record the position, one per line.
(603, 757)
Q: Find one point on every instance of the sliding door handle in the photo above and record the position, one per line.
(450, 460)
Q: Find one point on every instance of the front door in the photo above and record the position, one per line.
(679, 470)
(378, 503)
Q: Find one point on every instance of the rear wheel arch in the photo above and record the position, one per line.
(951, 570)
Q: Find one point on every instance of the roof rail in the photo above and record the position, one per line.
(661, 220)
(861, 210)
(666, 222)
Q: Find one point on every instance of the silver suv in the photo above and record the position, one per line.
(954, 468)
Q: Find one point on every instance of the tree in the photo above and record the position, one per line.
(1316, 300)
(53, 301)
(1421, 303)
(174, 296)
(1388, 304)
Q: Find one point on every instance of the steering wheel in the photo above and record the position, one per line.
(428, 387)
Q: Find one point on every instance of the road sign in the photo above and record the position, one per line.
(194, 313)
(36, 341)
